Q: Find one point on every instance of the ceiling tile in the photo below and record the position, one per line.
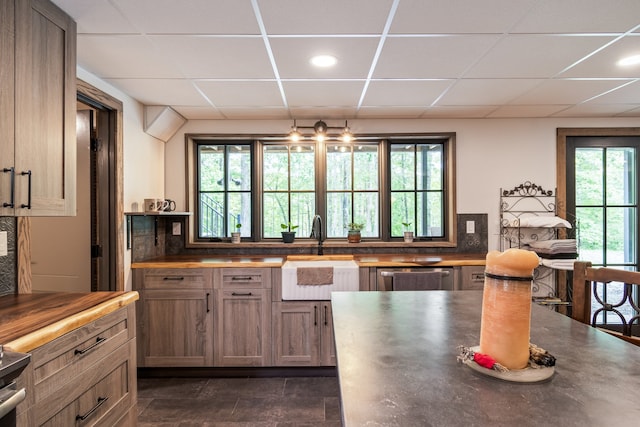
(535, 56)
(216, 57)
(354, 55)
(407, 93)
(625, 94)
(250, 94)
(325, 113)
(160, 91)
(486, 91)
(565, 91)
(580, 16)
(97, 16)
(447, 16)
(322, 93)
(324, 17)
(526, 111)
(459, 111)
(430, 57)
(190, 16)
(199, 113)
(255, 113)
(390, 112)
(595, 110)
(604, 62)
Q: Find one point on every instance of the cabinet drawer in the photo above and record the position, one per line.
(66, 357)
(243, 278)
(100, 397)
(182, 278)
(472, 278)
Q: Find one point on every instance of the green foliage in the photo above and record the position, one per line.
(288, 227)
(355, 226)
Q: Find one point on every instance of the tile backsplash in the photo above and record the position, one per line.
(8, 273)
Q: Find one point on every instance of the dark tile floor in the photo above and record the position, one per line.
(231, 402)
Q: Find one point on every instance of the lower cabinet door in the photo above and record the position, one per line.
(175, 328)
(296, 338)
(243, 328)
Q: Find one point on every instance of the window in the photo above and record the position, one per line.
(416, 173)
(224, 189)
(378, 181)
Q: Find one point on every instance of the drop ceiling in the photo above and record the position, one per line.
(249, 59)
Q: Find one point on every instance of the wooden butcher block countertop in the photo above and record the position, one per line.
(28, 321)
(369, 260)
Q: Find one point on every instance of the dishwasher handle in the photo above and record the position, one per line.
(10, 397)
(444, 273)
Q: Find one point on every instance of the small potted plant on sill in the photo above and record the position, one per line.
(408, 232)
(288, 232)
(235, 236)
(353, 235)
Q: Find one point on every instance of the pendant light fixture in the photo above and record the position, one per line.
(321, 132)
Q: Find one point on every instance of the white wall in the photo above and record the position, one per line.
(490, 153)
(143, 163)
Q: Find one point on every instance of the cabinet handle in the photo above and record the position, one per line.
(178, 279)
(241, 294)
(208, 294)
(243, 278)
(315, 315)
(28, 205)
(101, 400)
(325, 316)
(99, 341)
(11, 203)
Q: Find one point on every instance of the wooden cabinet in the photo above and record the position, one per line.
(242, 317)
(303, 334)
(38, 104)
(175, 311)
(86, 376)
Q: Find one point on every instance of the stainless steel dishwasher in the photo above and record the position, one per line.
(11, 365)
(384, 276)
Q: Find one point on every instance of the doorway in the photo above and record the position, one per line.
(84, 253)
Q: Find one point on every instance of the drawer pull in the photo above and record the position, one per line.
(241, 294)
(101, 400)
(178, 279)
(208, 295)
(325, 316)
(99, 341)
(243, 278)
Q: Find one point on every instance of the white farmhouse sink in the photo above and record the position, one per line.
(345, 278)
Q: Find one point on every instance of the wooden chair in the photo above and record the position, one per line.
(584, 276)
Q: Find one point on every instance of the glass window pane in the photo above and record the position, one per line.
(429, 167)
(276, 208)
(402, 167)
(239, 168)
(303, 168)
(338, 167)
(303, 206)
(365, 160)
(239, 213)
(367, 212)
(620, 236)
(275, 168)
(211, 167)
(402, 211)
(591, 222)
(621, 179)
(212, 215)
(430, 214)
(589, 176)
(338, 214)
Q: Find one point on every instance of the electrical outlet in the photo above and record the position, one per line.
(177, 229)
(471, 227)
(3, 244)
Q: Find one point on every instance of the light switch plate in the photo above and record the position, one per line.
(471, 227)
(177, 229)
(4, 251)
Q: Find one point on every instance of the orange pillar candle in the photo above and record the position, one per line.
(506, 307)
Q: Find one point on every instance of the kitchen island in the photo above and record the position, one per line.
(397, 366)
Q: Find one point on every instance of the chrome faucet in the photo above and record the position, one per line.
(316, 231)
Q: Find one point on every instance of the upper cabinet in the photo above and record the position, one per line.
(38, 104)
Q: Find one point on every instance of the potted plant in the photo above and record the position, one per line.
(353, 235)
(235, 236)
(408, 232)
(288, 232)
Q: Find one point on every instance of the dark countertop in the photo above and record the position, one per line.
(397, 366)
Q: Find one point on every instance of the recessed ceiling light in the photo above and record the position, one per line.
(629, 60)
(324, 60)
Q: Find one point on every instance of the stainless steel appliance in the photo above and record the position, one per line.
(11, 365)
(384, 280)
